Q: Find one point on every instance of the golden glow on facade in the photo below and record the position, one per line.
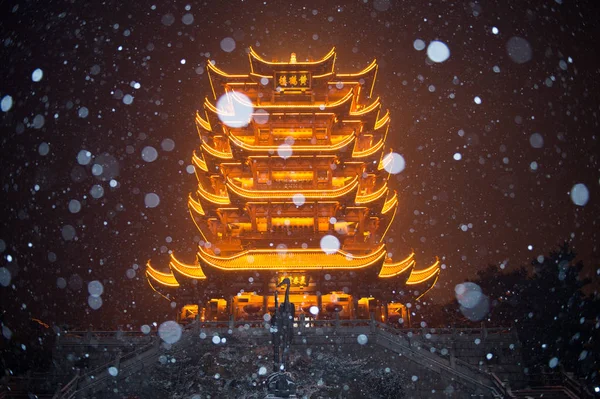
(391, 269)
(371, 107)
(215, 199)
(371, 197)
(298, 190)
(216, 153)
(323, 106)
(195, 206)
(419, 276)
(390, 203)
(382, 163)
(389, 224)
(288, 194)
(292, 259)
(199, 162)
(369, 151)
(204, 123)
(369, 68)
(191, 271)
(254, 55)
(213, 68)
(382, 121)
(167, 279)
(344, 142)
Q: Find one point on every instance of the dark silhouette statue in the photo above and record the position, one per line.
(280, 383)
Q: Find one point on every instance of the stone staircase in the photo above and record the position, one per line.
(441, 361)
(556, 385)
(457, 363)
(313, 333)
(558, 392)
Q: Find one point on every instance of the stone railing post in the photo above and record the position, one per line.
(197, 326)
(58, 339)
(302, 322)
(118, 360)
(373, 323)
(88, 336)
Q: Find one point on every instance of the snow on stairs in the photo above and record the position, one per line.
(341, 332)
(548, 392)
(143, 358)
(557, 384)
(425, 355)
(100, 378)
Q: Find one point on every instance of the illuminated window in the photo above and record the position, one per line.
(263, 176)
(263, 136)
(322, 176)
(261, 224)
(321, 135)
(323, 224)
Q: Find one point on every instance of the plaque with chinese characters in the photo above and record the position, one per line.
(296, 280)
(293, 80)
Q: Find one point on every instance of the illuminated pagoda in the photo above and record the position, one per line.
(293, 173)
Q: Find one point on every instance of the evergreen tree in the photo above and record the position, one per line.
(502, 288)
(551, 311)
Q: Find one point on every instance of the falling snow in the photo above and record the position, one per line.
(491, 153)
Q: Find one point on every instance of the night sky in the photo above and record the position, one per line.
(486, 183)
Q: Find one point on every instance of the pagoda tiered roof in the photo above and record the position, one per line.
(193, 271)
(309, 132)
(261, 67)
(166, 279)
(298, 260)
(292, 259)
(421, 276)
(392, 269)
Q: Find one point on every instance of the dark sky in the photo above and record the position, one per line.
(120, 76)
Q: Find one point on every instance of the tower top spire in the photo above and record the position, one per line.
(293, 58)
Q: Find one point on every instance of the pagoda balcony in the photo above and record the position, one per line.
(166, 279)
(219, 151)
(195, 206)
(423, 280)
(293, 259)
(298, 185)
(393, 269)
(390, 202)
(302, 96)
(266, 135)
(313, 145)
(199, 162)
(372, 194)
(350, 186)
(298, 181)
(341, 105)
(368, 146)
(292, 232)
(221, 198)
(215, 146)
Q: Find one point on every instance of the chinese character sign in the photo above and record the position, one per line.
(296, 280)
(292, 80)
